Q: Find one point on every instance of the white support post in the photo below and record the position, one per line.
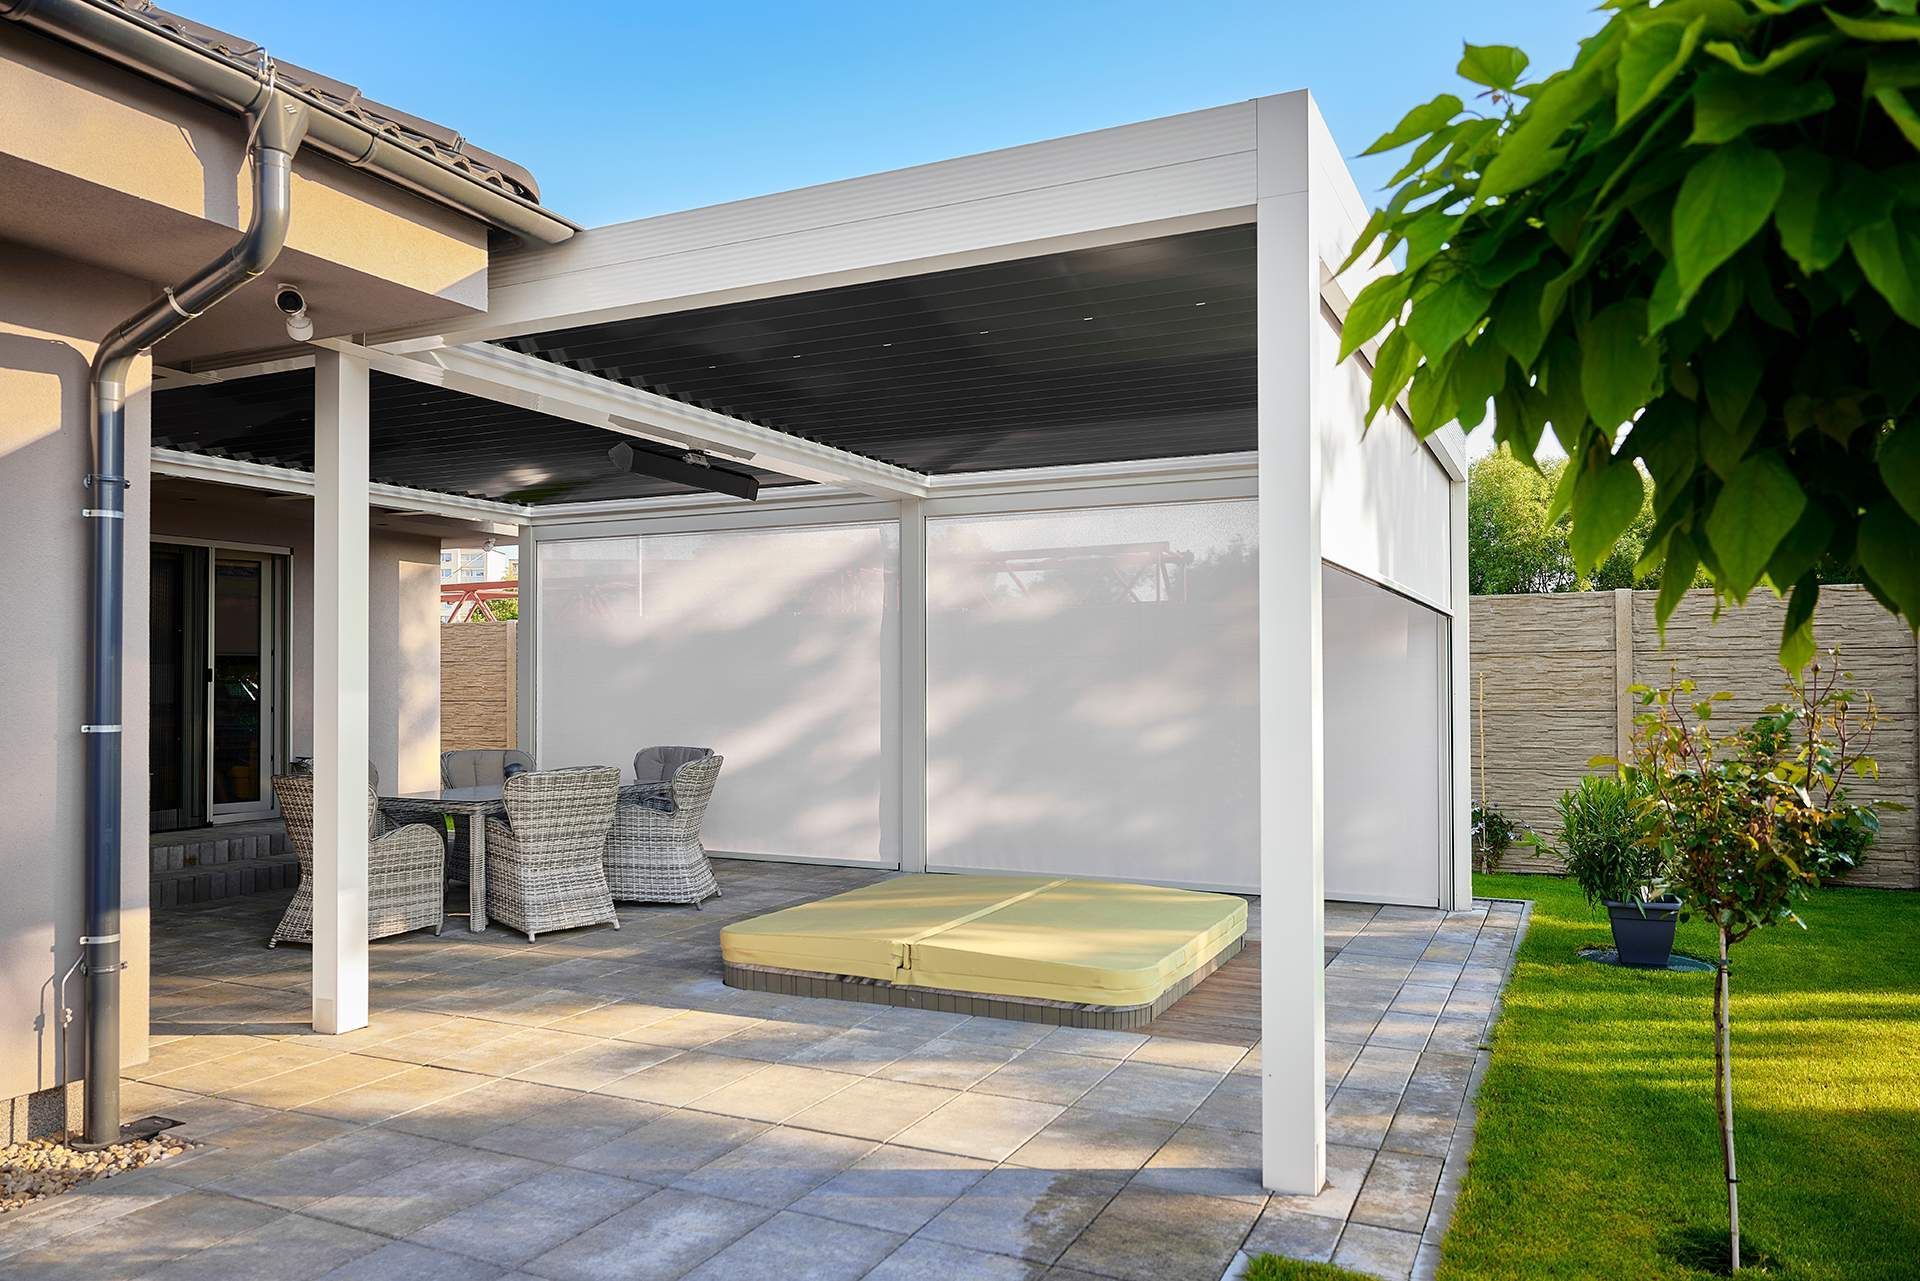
(527, 640)
(1457, 879)
(1292, 925)
(340, 453)
(913, 686)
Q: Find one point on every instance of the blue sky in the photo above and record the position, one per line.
(628, 109)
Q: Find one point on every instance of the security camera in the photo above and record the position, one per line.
(293, 304)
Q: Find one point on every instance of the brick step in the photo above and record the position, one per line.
(214, 851)
(204, 884)
(200, 866)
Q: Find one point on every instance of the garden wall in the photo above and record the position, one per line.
(478, 696)
(1550, 692)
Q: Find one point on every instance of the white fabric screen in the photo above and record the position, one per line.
(1092, 693)
(777, 648)
(1384, 707)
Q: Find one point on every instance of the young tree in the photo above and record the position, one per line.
(1748, 823)
(1695, 250)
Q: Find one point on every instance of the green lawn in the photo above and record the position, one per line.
(1596, 1154)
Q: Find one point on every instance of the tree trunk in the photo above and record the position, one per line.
(1723, 1096)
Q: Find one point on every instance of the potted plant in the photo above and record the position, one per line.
(1603, 830)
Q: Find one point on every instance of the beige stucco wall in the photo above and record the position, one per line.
(51, 314)
(403, 671)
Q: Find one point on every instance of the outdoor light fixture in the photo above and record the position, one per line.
(689, 467)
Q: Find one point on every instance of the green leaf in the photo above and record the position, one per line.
(1880, 29)
(1427, 396)
(1419, 122)
(1736, 57)
(1802, 548)
(1797, 646)
(1889, 551)
(1497, 66)
(1723, 446)
(1370, 312)
(1649, 60)
(1732, 374)
(1676, 576)
(1897, 68)
(1809, 222)
(1666, 439)
(1515, 322)
(1376, 223)
(1605, 501)
(1901, 112)
(1392, 370)
(1727, 104)
(1560, 384)
(1430, 146)
(1562, 498)
(1726, 198)
(1530, 150)
(1899, 460)
(1428, 233)
(1618, 366)
(1887, 255)
(1760, 502)
(1443, 317)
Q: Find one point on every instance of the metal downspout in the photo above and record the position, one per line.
(278, 128)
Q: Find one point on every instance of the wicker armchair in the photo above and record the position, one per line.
(544, 869)
(405, 869)
(654, 854)
(482, 766)
(474, 767)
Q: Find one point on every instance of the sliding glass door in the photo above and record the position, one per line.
(215, 716)
(244, 714)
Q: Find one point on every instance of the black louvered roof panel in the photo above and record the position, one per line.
(1125, 352)
(1131, 351)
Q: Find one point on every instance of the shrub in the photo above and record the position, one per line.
(1493, 836)
(1603, 827)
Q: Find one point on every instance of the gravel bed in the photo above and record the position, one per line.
(42, 1168)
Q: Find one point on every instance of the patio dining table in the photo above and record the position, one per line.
(475, 805)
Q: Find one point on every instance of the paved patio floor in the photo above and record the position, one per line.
(599, 1105)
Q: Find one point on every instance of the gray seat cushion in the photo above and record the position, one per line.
(481, 766)
(660, 764)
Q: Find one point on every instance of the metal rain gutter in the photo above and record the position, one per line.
(161, 55)
(279, 125)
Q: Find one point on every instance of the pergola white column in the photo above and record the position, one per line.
(340, 454)
(1292, 925)
(913, 686)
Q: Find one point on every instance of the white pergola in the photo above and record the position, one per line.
(1270, 163)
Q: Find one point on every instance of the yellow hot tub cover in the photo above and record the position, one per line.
(1103, 943)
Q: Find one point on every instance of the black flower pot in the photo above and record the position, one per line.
(1643, 932)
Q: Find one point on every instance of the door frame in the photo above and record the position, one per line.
(275, 626)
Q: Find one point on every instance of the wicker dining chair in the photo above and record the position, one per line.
(475, 767)
(405, 869)
(544, 863)
(654, 854)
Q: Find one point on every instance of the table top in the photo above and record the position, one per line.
(487, 794)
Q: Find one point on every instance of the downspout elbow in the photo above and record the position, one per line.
(277, 133)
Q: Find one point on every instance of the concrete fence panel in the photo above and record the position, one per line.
(479, 706)
(1551, 691)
